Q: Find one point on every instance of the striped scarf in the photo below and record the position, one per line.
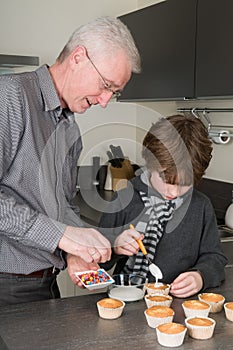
(157, 213)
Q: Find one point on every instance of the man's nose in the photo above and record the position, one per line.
(104, 98)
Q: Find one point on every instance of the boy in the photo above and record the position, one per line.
(177, 222)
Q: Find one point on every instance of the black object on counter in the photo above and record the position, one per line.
(116, 156)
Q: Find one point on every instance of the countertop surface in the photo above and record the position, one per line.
(73, 323)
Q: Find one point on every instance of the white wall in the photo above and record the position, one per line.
(41, 28)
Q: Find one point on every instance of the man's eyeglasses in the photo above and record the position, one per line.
(107, 86)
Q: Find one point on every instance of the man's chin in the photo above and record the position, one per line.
(80, 110)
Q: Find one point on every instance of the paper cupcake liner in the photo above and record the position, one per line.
(228, 312)
(196, 313)
(153, 322)
(170, 340)
(150, 303)
(200, 332)
(214, 306)
(151, 291)
(110, 313)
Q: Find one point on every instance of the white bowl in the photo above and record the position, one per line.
(127, 287)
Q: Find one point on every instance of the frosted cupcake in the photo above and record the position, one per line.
(156, 315)
(171, 334)
(110, 308)
(228, 307)
(158, 299)
(216, 301)
(200, 327)
(157, 288)
(195, 308)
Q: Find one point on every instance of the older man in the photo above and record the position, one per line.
(40, 144)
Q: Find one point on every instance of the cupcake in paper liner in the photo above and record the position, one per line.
(200, 327)
(171, 334)
(158, 299)
(156, 315)
(215, 301)
(110, 308)
(228, 308)
(195, 308)
(157, 288)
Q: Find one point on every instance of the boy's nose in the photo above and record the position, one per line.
(172, 191)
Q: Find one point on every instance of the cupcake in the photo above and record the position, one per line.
(228, 307)
(195, 308)
(171, 334)
(200, 327)
(156, 315)
(215, 301)
(110, 308)
(157, 288)
(158, 299)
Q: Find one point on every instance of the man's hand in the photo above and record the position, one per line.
(87, 243)
(76, 264)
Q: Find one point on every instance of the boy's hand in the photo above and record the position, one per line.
(187, 284)
(125, 243)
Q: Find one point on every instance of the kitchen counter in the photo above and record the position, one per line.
(73, 323)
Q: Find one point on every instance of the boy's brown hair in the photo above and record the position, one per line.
(178, 147)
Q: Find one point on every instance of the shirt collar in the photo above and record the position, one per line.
(48, 91)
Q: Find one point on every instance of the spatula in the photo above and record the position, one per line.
(154, 269)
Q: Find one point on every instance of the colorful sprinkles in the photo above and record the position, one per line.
(89, 278)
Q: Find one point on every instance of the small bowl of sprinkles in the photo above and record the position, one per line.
(94, 279)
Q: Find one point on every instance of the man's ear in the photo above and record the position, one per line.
(78, 54)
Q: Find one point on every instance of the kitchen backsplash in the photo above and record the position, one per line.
(220, 194)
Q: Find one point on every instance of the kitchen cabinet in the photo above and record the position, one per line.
(186, 50)
(165, 36)
(214, 49)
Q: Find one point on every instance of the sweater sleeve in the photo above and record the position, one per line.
(211, 260)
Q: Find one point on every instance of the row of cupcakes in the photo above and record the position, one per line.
(160, 315)
(158, 294)
(172, 334)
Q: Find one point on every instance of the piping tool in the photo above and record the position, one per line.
(154, 269)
